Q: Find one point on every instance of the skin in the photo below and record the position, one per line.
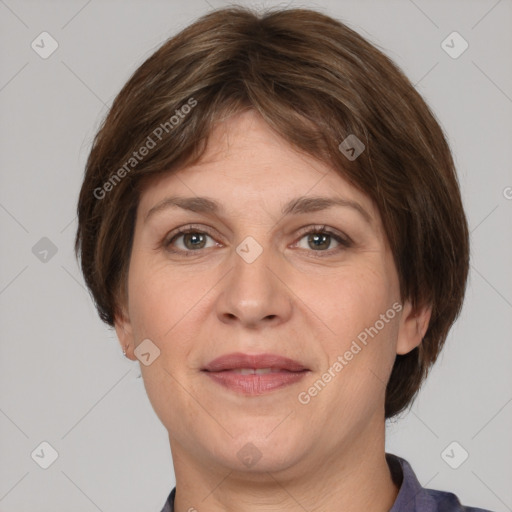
(327, 454)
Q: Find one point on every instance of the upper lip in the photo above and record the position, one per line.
(237, 360)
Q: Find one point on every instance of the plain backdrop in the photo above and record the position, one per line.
(63, 379)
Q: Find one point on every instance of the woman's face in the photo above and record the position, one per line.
(249, 280)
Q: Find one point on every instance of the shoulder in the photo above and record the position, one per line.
(412, 497)
(448, 502)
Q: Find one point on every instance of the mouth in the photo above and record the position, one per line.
(254, 374)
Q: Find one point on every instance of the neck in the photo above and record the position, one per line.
(354, 477)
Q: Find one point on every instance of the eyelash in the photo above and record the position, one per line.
(344, 241)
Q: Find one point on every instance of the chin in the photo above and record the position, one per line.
(257, 451)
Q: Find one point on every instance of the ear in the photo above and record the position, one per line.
(413, 326)
(124, 333)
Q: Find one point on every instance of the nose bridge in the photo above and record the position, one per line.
(253, 293)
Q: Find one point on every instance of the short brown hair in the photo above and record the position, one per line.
(315, 81)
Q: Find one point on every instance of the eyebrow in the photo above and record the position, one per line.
(298, 205)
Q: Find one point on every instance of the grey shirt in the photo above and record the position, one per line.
(412, 497)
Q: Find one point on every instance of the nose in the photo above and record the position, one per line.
(255, 293)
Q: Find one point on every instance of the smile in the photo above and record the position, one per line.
(254, 374)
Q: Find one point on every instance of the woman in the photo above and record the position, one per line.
(271, 221)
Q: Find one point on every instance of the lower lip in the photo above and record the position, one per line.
(256, 384)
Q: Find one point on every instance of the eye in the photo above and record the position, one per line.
(193, 240)
(320, 238)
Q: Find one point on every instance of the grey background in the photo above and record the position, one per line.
(63, 378)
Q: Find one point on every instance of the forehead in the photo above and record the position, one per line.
(247, 163)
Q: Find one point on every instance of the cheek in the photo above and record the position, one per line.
(162, 304)
(160, 298)
(357, 307)
(351, 300)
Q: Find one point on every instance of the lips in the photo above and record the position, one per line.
(254, 374)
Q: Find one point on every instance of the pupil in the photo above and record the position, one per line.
(322, 238)
(193, 237)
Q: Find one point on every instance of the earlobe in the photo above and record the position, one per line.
(124, 333)
(413, 327)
